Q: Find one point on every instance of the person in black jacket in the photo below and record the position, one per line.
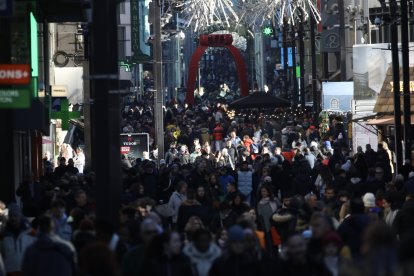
(164, 257)
(353, 227)
(191, 207)
(224, 218)
(295, 261)
(31, 194)
(404, 221)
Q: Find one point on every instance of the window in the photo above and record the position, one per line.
(122, 7)
(121, 43)
(334, 104)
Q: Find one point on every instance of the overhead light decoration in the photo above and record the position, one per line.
(258, 12)
(204, 13)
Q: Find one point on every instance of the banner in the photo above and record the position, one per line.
(134, 144)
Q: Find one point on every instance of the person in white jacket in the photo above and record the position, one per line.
(79, 160)
(202, 251)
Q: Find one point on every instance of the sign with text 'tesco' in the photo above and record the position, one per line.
(15, 74)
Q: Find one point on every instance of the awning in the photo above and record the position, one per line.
(363, 119)
(387, 120)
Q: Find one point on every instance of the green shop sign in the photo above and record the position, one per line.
(14, 98)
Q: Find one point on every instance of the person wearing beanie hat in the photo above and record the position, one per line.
(332, 245)
(332, 238)
(235, 234)
(374, 212)
(235, 260)
(369, 200)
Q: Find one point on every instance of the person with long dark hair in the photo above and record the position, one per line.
(266, 207)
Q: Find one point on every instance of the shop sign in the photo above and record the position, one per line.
(14, 98)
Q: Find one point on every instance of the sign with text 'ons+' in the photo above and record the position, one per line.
(15, 74)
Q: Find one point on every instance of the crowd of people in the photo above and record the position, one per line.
(240, 196)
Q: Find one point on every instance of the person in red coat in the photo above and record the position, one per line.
(218, 136)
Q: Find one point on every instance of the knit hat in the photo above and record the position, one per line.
(332, 237)
(369, 200)
(235, 234)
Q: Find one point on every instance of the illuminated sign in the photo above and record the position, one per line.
(15, 74)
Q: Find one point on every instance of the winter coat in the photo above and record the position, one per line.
(31, 195)
(302, 185)
(351, 231)
(202, 261)
(150, 182)
(389, 216)
(234, 265)
(218, 133)
(245, 182)
(13, 248)
(178, 265)
(311, 159)
(63, 228)
(185, 211)
(404, 220)
(49, 255)
(175, 201)
(265, 209)
(223, 221)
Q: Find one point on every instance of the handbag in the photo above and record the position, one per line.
(164, 210)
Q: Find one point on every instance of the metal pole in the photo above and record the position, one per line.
(258, 56)
(105, 110)
(315, 96)
(294, 77)
(396, 81)
(7, 137)
(406, 79)
(159, 97)
(302, 59)
(342, 38)
(285, 56)
(141, 80)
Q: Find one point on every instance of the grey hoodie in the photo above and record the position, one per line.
(202, 261)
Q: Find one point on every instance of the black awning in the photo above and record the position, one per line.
(61, 10)
(33, 118)
(260, 100)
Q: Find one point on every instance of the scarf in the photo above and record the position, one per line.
(272, 203)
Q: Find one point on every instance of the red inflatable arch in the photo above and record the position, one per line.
(215, 40)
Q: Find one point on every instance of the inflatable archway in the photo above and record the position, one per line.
(216, 40)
